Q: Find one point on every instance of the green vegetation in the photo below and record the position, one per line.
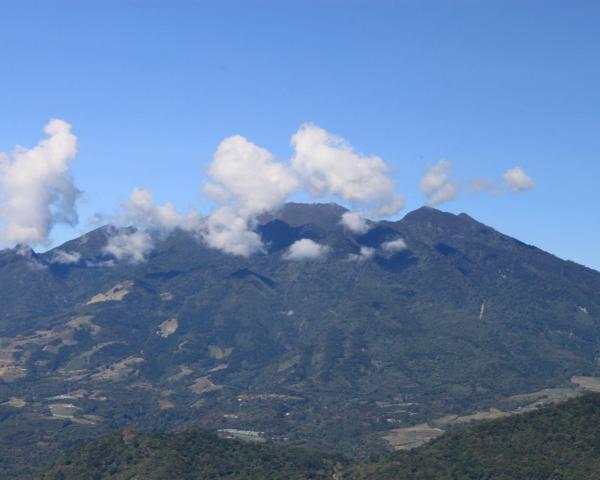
(193, 455)
(553, 443)
(561, 442)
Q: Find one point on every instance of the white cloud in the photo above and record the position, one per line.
(394, 246)
(517, 180)
(446, 192)
(129, 246)
(141, 211)
(37, 191)
(355, 222)
(329, 166)
(365, 253)
(229, 232)
(248, 177)
(65, 258)
(305, 249)
(150, 220)
(437, 184)
(479, 185)
(246, 181)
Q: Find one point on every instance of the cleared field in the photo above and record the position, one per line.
(412, 437)
(591, 384)
(115, 294)
(490, 414)
(204, 385)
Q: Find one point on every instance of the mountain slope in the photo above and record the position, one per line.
(554, 442)
(560, 442)
(335, 352)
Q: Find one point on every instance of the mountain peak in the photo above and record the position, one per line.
(323, 215)
(428, 214)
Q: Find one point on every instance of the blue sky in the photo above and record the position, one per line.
(151, 88)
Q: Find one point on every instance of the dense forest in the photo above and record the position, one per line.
(191, 455)
(561, 442)
(553, 443)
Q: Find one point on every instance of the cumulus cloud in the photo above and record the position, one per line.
(130, 246)
(37, 190)
(394, 246)
(355, 222)
(517, 180)
(246, 181)
(248, 177)
(328, 165)
(231, 233)
(437, 184)
(65, 258)
(365, 253)
(306, 249)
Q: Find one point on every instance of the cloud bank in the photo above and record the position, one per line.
(37, 191)
(244, 181)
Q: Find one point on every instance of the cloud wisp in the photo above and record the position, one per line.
(147, 221)
(394, 246)
(306, 249)
(514, 180)
(438, 185)
(63, 257)
(365, 253)
(517, 180)
(129, 246)
(355, 222)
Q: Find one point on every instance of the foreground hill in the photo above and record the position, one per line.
(343, 352)
(554, 443)
(561, 442)
(193, 455)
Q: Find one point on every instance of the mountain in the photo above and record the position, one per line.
(550, 443)
(440, 320)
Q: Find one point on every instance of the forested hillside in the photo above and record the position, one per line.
(561, 442)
